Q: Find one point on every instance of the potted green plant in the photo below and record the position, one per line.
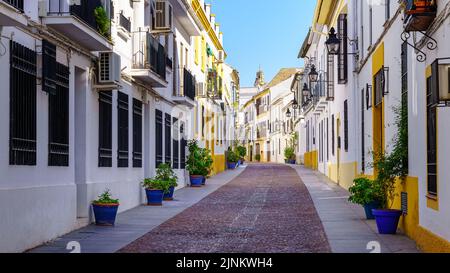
(390, 168)
(289, 155)
(366, 193)
(232, 159)
(155, 189)
(103, 21)
(198, 164)
(242, 152)
(105, 209)
(258, 158)
(165, 172)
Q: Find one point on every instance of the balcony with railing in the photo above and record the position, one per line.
(87, 24)
(124, 22)
(214, 85)
(149, 59)
(419, 14)
(186, 92)
(11, 13)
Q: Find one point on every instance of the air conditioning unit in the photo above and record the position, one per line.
(201, 90)
(163, 16)
(221, 57)
(109, 68)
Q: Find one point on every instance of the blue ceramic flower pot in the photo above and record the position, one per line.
(204, 180)
(231, 165)
(369, 207)
(169, 196)
(387, 220)
(154, 197)
(105, 215)
(196, 180)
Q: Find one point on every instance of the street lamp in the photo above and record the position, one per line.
(333, 43)
(288, 113)
(295, 104)
(313, 75)
(305, 91)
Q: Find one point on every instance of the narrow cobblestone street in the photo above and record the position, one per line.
(265, 209)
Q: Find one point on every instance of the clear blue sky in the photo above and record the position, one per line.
(263, 32)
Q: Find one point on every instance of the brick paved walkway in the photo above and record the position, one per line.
(265, 209)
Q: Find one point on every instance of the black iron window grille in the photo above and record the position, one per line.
(343, 50)
(48, 67)
(183, 146)
(379, 87)
(137, 133)
(105, 130)
(404, 73)
(18, 4)
(59, 119)
(346, 125)
(168, 137)
(363, 144)
(124, 22)
(122, 130)
(159, 137)
(332, 135)
(432, 98)
(330, 77)
(189, 84)
(176, 144)
(22, 120)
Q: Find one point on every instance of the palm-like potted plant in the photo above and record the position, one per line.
(241, 151)
(258, 158)
(155, 190)
(366, 193)
(165, 173)
(105, 209)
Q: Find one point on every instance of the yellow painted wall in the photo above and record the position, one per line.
(347, 173)
(311, 160)
(219, 163)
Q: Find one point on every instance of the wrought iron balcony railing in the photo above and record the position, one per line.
(18, 4)
(149, 53)
(125, 22)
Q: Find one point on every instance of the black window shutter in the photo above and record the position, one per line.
(58, 119)
(175, 144)
(48, 67)
(168, 142)
(105, 129)
(183, 146)
(343, 50)
(122, 130)
(431, 134)
(158, 137)
(22, 131)
(332, 135)
(137, 133)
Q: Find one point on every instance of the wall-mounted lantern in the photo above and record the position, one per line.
(333, 43)
(313, 74)
(288, 113)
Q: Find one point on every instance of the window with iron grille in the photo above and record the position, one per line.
(168, 142)
(176, 144)
(158, 137)
(125, 22)
(58, 119)
(105, 129)
(332, 135)
(432, 93)
(363, 144)
(346, 125)
(122, 130)
(342, 56)
(48, 67)
(330, 77)
(137, 133)
(379, 87)
(203, 121)
(183, 146)
(22, 120)
(328, 140)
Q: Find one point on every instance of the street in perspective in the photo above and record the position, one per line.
(198, 127)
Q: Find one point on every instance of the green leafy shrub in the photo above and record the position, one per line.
(241, 151)
(365, 191)
(105, 198)
(258, 157)
(103, 21)
(165, 172)
(156, 184)
(289, 153)
(232, 157)
(199, 160)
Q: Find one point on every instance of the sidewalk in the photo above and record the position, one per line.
(345, 224)
(134, 223)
